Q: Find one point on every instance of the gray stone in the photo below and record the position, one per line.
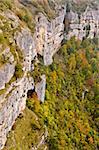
(13, 105)
(7, 70)
(49, 35)
(89, 17)
(13, 18)
(46, 41)
(25, 40)
(40, 88)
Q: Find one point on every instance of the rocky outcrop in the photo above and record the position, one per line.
(45, 41)
(8, 67)
(48, 35)
(12, 105)
(84, 25)
(40, 88)
(25, 42)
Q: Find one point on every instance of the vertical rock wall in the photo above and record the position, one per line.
(49, 34)
(46, 41)
(85, 25)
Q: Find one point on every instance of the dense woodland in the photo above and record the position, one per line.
(70, 111)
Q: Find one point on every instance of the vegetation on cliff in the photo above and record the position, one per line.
(70, 111)
(69, 115)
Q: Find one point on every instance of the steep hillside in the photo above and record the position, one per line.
(68, 119)
(25, 34)
(31, 33)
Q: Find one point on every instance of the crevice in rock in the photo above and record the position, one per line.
(30, 93)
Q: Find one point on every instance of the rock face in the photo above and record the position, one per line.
(48, 35)
(12, 106)
(25, 42)
(8, 68)
(85, 25)
(45, 41)
(40, 88)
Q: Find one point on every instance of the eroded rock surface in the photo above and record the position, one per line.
(84, 25)
(12, 106)
(21, 48)
(7, 69)
(40, 88)
(49, 35)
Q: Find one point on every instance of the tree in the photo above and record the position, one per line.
(72, 63)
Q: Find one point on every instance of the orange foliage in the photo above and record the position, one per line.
(90, 82)
(36, 101)
(83, 128)
(83, 57)
(34, 95)
(91, 140)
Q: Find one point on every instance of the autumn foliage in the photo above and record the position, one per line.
(72, 122)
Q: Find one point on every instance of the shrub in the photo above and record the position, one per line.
(18, 71)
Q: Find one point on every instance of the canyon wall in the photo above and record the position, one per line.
(84, 25)
(24, 49)
(45, 41)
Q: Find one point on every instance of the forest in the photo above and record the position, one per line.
(70, 111)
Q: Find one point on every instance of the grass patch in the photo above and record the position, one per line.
(23, 135)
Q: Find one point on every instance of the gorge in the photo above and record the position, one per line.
(30, 34)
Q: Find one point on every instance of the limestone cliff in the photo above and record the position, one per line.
(82, 22)
(28, 30)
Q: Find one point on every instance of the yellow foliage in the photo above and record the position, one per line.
(91, 140)
(37, 105)
(72, 63)
(36, 102)
(62, 142)
(46, 110)
(54, 76)
(61, 113)
(61, 74)
(83, 57)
